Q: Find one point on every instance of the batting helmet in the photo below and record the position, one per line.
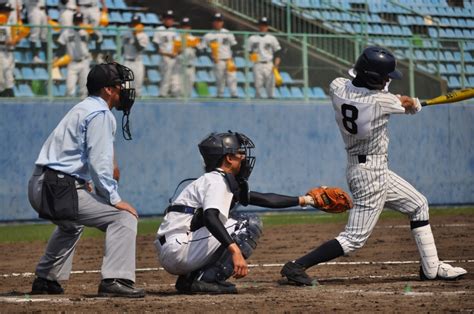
(215, 146)
(375, 65)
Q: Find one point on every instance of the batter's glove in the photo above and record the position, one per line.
(330, 199)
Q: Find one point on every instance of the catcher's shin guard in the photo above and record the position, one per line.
(221, 269)
(426, 246)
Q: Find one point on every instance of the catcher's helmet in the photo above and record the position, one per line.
(215, 146)
(374, 65)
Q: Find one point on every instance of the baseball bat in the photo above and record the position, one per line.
(453, 96)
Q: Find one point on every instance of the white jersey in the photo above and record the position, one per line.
(208, 191)
(362, 116)
(164, 38)
(34, 4)
(264, 45)
(70, 5)
(189, 53)
(225, 40)
(5, 36)
(134, 44)
(76, 43)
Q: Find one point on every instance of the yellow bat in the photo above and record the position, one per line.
(453, 96)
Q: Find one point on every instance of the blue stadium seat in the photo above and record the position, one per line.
(453, 82)
(153, 75)
(152, 18)
(419, 55)
(194, 93)
(204, 61)
(120, 4)
(296, 92)
(146, 60)
(54, 14)
(240, 77)
(250, 77)
(153, 90)
(284, 92)
(451, 68)
(449, 56)
(59, 90)
(108, 45)
(240, 92)
(41, 74)
(286, 78)
(251, 92)
(155, 59)
(110, 4)
(202, 76)
(26, 91)
(318, 92)
(27, 73)
(52, 3)
(127, 16)
(212, 91)
(442, 69)
(240, 62)
(19, 57)
(115, 17)
(17, 74)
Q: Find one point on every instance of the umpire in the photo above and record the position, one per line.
(80, 150)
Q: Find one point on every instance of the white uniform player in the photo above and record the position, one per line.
(16, 6)
(225, 41)
(76, 44)
(67, 8)
(7, 60)
(362, 111)
(134, 43)
(187, 59)
(201, 239)
(37, 16)
(266, 48)
(90, 10)
(164, 37)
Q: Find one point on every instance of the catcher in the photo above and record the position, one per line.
(202, 239)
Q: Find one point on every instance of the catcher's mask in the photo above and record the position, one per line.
(112, 74)
(216, 146)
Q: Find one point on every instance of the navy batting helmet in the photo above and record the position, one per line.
(215, 146)
(375, 64)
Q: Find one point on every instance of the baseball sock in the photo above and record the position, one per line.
(325, 252)
(427, 248)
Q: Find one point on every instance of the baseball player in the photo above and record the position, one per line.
(202, 239)
(67, 8)
(134, 43)
(37, 16)
(222, 55)
(362, 109)
(80, 150)
(90, 10)
(187, 58)
(164, 38)
(75, 43)
(267, 51)
(16, 6)
(7, 60)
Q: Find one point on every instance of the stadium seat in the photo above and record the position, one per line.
(204, 61)
(285, 92)
(155, 59)
(115, 17)
(153, 90)
(286, 78)
(453, 82)
(152, 18)
(26, 91)
(120, 4)
(27, 73)
(41, 74)
(108, 45)
(318, 92)
(240, 77)
(296, 92)
(17, 74)
(153, 75)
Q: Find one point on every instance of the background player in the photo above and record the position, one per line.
(224, 67)
(201, 239)
(187, 58)
(79, 150)
(267, 52)
(75, 43)
(134, 43)
(362, 111)
(164, 38)
(36, 10)
(7, 45)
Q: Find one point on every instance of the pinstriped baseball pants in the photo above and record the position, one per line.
(373, 187)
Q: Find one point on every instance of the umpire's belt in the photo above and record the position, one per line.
(80, 183)
(181, 209)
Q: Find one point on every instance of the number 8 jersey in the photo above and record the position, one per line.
(362, 116)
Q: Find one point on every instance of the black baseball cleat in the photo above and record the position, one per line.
(115, 287)
(45, 286)
(187, 285)
(296, 275)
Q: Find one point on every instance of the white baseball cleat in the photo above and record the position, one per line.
(445, 272)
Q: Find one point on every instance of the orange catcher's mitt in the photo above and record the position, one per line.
(330, 199)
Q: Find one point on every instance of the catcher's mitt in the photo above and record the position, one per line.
(330, 199)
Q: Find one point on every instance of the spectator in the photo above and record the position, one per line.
(75, 43)
(135, 41)
(67, 8)
(38, 35)
(220, 42)
(7, 60)
(187, 58)
(265, 50)
(164, 38)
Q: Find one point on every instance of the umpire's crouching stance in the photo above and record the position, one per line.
(78, 151)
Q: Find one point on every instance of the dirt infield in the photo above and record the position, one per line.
(385, 284)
